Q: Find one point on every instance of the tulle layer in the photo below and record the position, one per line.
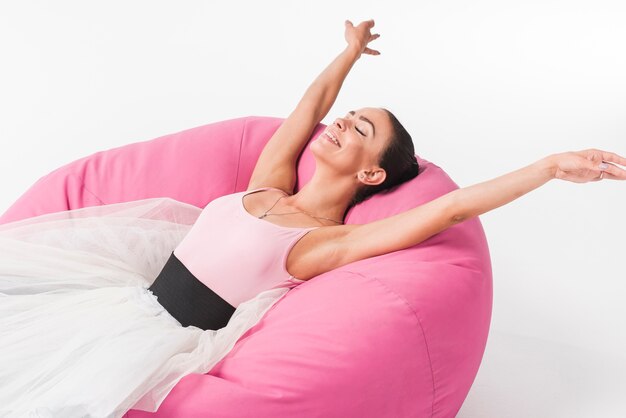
(80, 333)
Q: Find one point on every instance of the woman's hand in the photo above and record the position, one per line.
(584, 166)
(358, 37)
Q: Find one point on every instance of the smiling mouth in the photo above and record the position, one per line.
(332, 138)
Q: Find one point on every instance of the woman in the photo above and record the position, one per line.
(103, 309)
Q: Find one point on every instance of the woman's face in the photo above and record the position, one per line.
(362, 134)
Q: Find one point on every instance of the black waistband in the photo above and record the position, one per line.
(189, 300)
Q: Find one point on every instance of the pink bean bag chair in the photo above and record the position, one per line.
(398, 335)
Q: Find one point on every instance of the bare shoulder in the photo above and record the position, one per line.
(270, 189)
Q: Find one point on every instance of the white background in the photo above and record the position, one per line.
(484, 88)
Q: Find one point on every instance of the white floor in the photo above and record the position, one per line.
(523, 377)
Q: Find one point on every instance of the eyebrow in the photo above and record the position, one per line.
(366, 120)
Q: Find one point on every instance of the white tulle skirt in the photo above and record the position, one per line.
(80, 333)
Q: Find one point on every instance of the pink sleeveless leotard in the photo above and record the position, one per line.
(236, 254)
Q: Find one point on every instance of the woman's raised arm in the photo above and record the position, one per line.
(276, 166)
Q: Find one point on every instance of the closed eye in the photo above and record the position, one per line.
(355, 128)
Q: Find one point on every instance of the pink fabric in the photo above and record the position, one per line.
(398, 335)
(224, 228)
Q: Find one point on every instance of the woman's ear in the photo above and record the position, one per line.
(377, 176)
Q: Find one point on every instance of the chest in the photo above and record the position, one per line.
(310, 254)
(270, 205)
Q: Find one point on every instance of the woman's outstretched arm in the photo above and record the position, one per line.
(578, 167)
(276, 165)
(415, 225)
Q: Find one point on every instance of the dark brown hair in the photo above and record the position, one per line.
(397, 159)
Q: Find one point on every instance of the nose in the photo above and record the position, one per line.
(340, 123)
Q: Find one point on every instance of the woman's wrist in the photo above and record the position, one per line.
(354, 50)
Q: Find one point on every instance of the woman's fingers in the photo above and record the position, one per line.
(613, 172)
(613, 158)
(361, 36)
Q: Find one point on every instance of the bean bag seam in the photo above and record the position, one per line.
(82, 183)
(430, 364)
(243, 131)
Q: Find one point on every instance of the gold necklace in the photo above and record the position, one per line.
(318, 217)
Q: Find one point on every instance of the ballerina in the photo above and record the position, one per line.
(104, 309)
